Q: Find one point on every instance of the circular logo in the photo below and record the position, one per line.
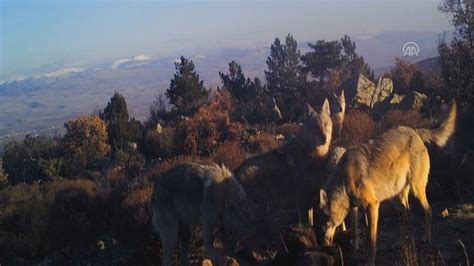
(411, 49)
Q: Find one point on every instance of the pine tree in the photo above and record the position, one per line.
(457, 57)
(285, 81)
(354, 62)
(116, 116)
(236, 83)
(186, 91)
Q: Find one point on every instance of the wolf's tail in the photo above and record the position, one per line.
(440, 134)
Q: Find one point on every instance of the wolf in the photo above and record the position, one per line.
(194, 194)
(338, 110)
(393, 165)
(288, 177)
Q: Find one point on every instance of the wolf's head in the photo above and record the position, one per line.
(315, 132)
(333, 209)
(339, 103)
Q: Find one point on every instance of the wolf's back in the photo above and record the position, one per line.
(440, 134)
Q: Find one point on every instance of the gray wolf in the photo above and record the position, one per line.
(287, 178)
(393, 165)
(338, 110)
(194, 194)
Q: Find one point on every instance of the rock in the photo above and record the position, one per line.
(363, 93)
(311, 258)
(359, 91)
(414, 101)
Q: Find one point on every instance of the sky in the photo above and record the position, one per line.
(35, 34)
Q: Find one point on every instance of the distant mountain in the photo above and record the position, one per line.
(430, 65)
(41, 103)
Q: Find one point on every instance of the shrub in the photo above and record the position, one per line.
(358, 128)
(230, 154)
(394, 118)
(36, 218)
(74, 216)
(85, 143)
(3, 175)
(160, 145)
(212, 125)
(134, 217)
(288, 129)
(24, 159)
(131, 161)
(262, 142)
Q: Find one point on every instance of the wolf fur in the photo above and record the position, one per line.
(338, 110)
(288, 177)
(194, 194)
(391, 166)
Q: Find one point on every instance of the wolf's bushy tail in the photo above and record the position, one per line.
(440, 134)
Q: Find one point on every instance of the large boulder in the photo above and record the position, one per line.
(378, 98)
(363, 93)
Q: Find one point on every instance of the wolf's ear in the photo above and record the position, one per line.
(323, 199)
(342, 98)
(325, 108)
(307, 112)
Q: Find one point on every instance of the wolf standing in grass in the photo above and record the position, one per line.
(393, 165)
(192, 194)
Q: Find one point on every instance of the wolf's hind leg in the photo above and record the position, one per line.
(185, 238)
(419, 182)
(405, 207)
(168, 233)
(420, 194)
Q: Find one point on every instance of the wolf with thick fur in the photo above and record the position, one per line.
(338, 111)
(393, 165)
(194, 194)
(288, 177)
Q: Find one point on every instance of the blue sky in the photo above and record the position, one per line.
(73, 33)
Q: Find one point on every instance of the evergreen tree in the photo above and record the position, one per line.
(329, 57)
(116, 116)
(323, 57)
(457, 57)
(285, 82)
(186, 91)
(355, 63)
(236, 83)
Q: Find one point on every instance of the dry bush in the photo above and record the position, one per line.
(394, 118)
(262, 142)
(212, 125)
(36, 218)
(288, 129)
(230, 154)
(133, 220)
(358, 128)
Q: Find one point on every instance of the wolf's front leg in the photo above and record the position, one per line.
(373, 215)
(208, 242)
(355, 226)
